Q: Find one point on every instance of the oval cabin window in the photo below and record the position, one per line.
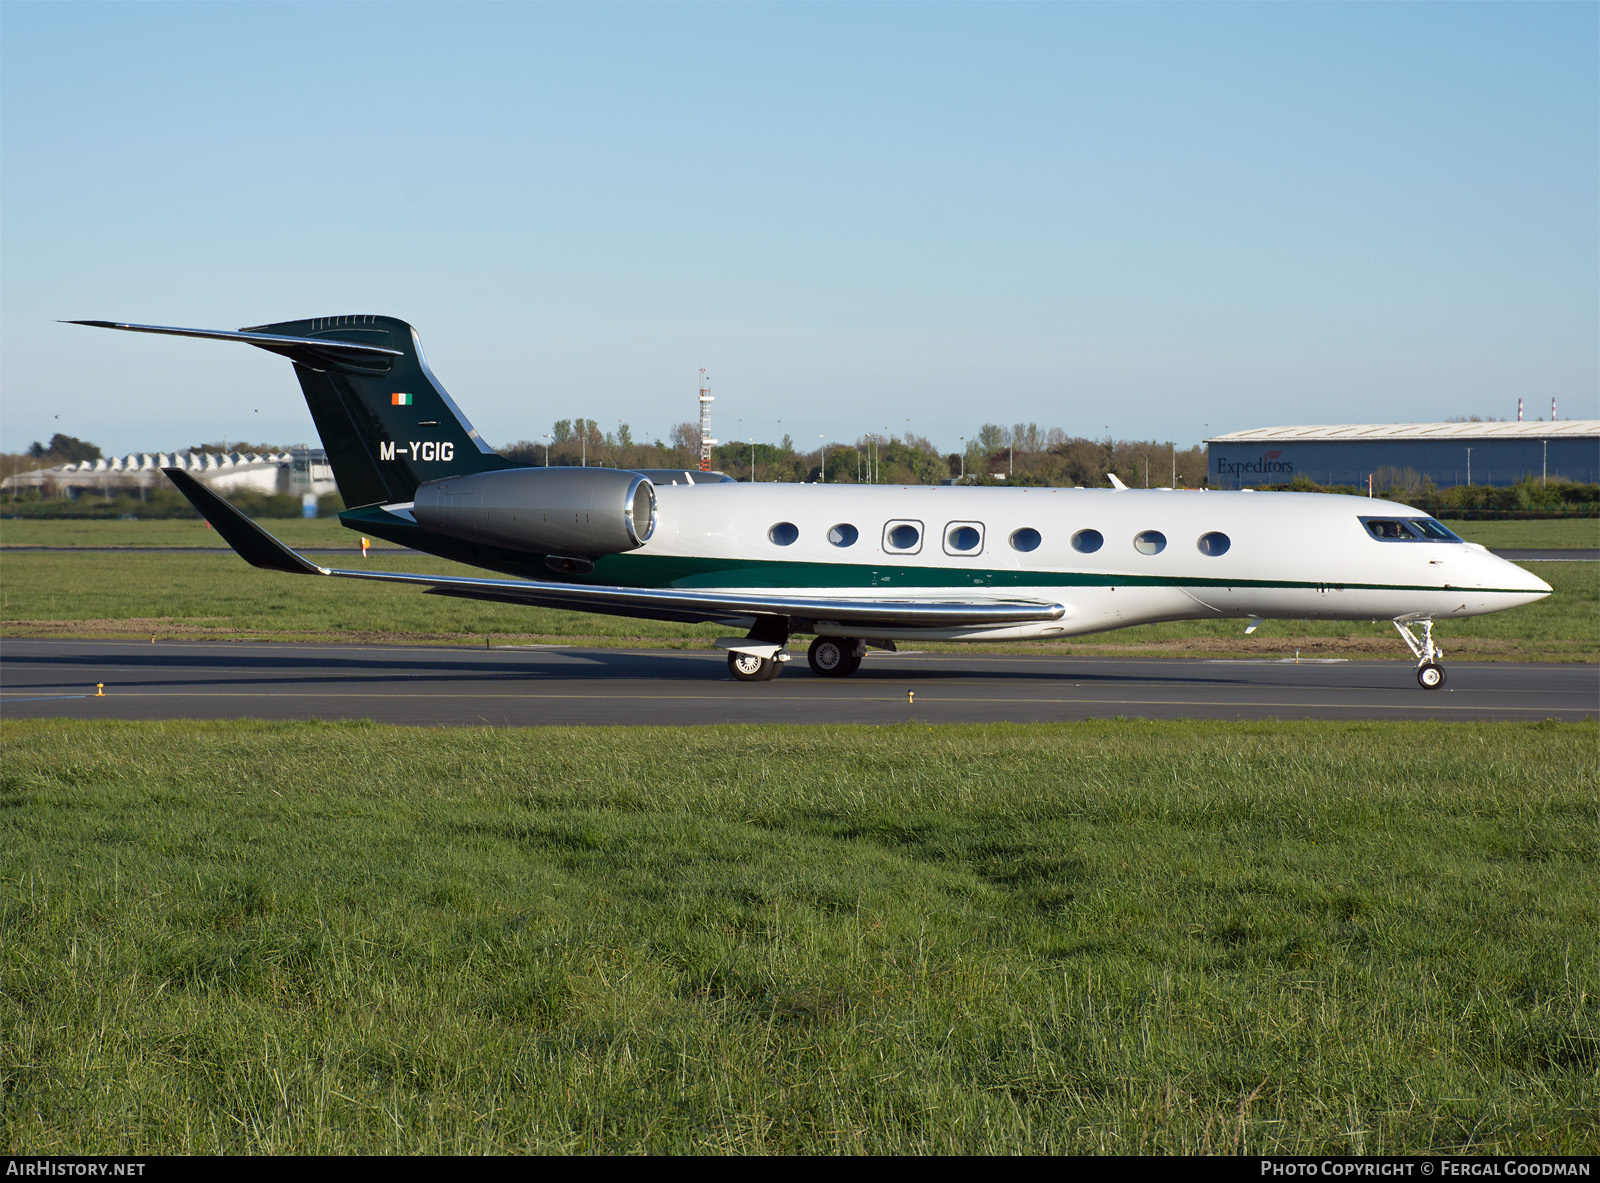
(1088, 541)
(1214, 544)
(902, 537)
(784, 533)
(963, 539)
(1150, 542)
(1025, 539)
(843, 534)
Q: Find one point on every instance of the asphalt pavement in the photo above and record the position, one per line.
(520, 686)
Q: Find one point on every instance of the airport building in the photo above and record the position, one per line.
(1448, 454)
(297, 471)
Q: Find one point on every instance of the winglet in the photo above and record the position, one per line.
(1115, 483)
(255, 545)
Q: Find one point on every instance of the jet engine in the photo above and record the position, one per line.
(583, 512)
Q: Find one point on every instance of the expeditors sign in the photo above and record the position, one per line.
(1244, 464)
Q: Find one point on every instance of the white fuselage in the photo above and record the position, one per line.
(1297, 555)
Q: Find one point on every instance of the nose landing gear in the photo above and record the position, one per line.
(1430, 674)
(752, 667)
(760, 656)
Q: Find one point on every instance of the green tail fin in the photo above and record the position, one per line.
(385, 421)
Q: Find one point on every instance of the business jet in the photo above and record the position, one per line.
(852, 565)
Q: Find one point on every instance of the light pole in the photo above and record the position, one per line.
(752, 456)
(547, 449)
(963, 476)
(822, 462)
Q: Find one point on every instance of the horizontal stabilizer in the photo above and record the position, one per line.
(298, 348)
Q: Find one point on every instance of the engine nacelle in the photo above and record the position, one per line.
(585, 512)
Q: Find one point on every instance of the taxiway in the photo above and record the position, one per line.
(531, 686)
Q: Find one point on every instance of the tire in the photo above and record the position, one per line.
(747, 667)
(827, 657)
(1430, 676)
(834, 657)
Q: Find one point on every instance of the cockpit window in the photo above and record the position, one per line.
(1408, 530)
(1388, 530)
(1432, 530)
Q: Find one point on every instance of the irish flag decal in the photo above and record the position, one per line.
(399, 400)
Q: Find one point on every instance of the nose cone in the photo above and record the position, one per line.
(1520, 585)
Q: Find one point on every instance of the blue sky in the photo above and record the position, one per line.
(1161, 220)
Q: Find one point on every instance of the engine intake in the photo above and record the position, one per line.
(566, 511)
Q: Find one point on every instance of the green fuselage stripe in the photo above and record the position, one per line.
(682, 571)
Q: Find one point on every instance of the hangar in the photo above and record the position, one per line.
(1457, 453)
(298, 470)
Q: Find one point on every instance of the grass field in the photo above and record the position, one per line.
(66, 594)
(1565, 626)
(1100, 937)
(71, 595)
(1563, 534)
(298, 532)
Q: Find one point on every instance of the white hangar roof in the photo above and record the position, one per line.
(1555, 429)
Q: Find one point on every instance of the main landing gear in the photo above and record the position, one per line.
(829, 657)
(760, 658)
(836, 657)
(1430, 674)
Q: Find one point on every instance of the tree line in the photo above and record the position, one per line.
(1023, 454)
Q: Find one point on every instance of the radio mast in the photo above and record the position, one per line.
(706, 442)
